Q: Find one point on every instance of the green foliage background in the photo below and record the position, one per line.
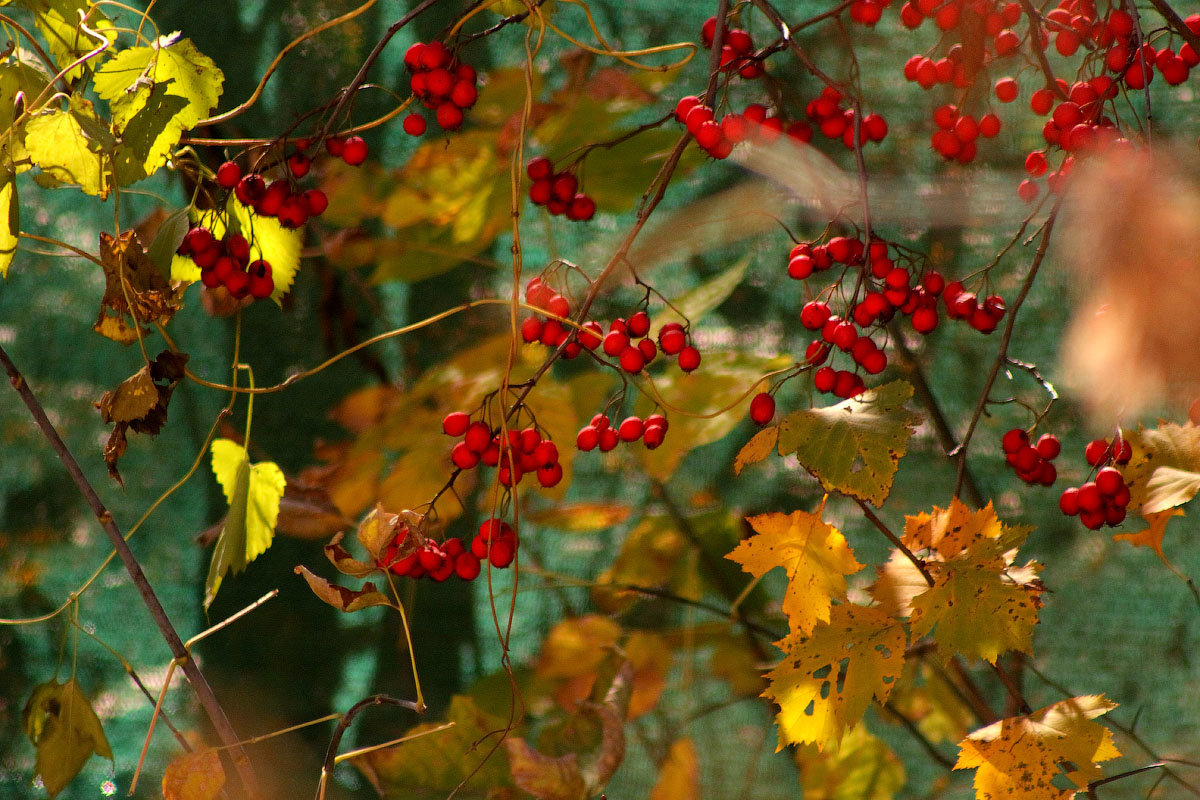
(1114, 621)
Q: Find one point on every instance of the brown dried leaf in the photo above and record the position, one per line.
(132, 283)
(116, 328)
(344, 562)
(545, 777)
(341, 597)
(379, 529)
(307, 512)
(139, 403)
(132, 399)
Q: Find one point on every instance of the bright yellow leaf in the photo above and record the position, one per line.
(1019, 756)
(950, 531)
(10, 220)
(815, 555)
(826, 681)
(57, 143)
(253, 492)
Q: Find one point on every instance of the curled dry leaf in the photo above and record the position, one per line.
(1131, 239)
(133, 286)
(140, 403)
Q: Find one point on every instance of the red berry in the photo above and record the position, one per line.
(672, 340)
(228, 174)
(315, 202)
(539, 168)
(1096, 452)
(631, 429)
(824, 379)
(250, 190)
(1090, 498)
(814, 315)
(1048, 446)
(1109, 481)
(334, 145)
(608, 439)
(550, 475)
(478, 437)
(1068, 501)
(632, 360)
(463, 457)
(588, 438)
(354, 151)
(762, 408)
(238, 284)
(581, 208)
(414, 125)
(639, 324)
(1014, 440)
(1006, 90)
(689, 359)
(456, 423)
(466, 566)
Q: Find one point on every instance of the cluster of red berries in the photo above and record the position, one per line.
(601, 433)
(629, 342)
(443, 85)
(558, 191)
(836, 122)
(1032, 462)
(762, 408)
(957, 134)
(954, 68)
(1124, 57)
(523, 451)
(226, 262)
(868, 12)
(737, 49)
(718, 138)
(982, 315)
(290, 205)
(496, 541)
(1102, 500)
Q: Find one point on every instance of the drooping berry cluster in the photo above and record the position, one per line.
(496, 542)
(521, 453)
(958, 133)
(963, 20)
(737, 49)
(226, 262)
(1102, 500)
(963, 305)
(551, 332)
(1032, 461)
(600, 432)
(288, 203)
(558, 191)
(442, 84)
(837, 122)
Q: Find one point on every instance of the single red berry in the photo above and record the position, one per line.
(814, 315)
(550, 475)
(689, 359)
(581, 208)
(672, 340)
(1068, 501)
(631, 429)
(615, 343)
(414, 125)
(1090, 498)
(600, 422)
(315, 202)
(632, 360)
(299, 164)
(335, 145)
(539, 168)
(228, 174)
(354, 151)
(608, 439)
(639, 324)
(262, 284)
(478, 437)
(1109, 481)
(1014, 440)
(466, 566)
(762, 408)
(588, 438)
(502, 553)
(238, 284)
(464, 94)
(1096, 453)
(456, 423)
(1048, 446)
(824, 379)
(463, 457)
(250, 189)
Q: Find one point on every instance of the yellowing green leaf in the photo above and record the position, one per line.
(10, 220)
(815, 555)
(65, 730)
(58, 145)
(1018, 757)
(194, 776)
(679, 774)
(20, 73)
(855, 446)
(58, 21)
(156, 93)
(862, 767)
(253, 493)
(826, 680)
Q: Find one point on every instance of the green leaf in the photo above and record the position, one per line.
(57, 143)
(253, 493)
(20, 73)
(170, 235)
(65, 730)
(10, 220)
(704, 298)
(855, 446)
(156, 93)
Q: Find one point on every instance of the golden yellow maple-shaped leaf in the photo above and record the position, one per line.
(679, 774)
(194, 776)
(815, 555)
(898, 581)
(1018, 757)
(950, 531)
(976, 608)
(826, 681)
(862, 767)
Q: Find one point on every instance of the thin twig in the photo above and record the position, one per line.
(895, 540)
(200, 685)
(339, 731)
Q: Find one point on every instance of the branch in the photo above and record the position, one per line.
(200, 685)
(895, 540)
(344, 723)
(1177, 24)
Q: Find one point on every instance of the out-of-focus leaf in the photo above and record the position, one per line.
(167, 240)
(253, 492)
(862, 767)
(855, 446)
(307, 512)
(545, 777)
(577, 646)
(703, 299)
(679, 774)
(194, 776)
(581, 517)
(736, 663)
(341, 597)
(65, 730)
(759, 447)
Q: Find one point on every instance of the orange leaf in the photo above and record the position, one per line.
(679, 775)
(194, 776)
(815, 555)
(1152, 537)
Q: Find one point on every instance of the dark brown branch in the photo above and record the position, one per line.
(339, 731)
(895, 540)
(1035, 35)
(1176, 22)
(200, 685)
(1002, 355)
(1091, 788)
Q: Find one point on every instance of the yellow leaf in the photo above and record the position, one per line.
(253, 493)
(815, 555)
(679, 775)
(20, 73)
(826, 681)
(171, 62)
(65, 730)
(1165, 469)
(898, 582)
(577, 646)
(734, 661)
(270, 241)
(855, 446)
(1152, 536)
(58, 21)
(650, 658)
(862, 767)
(581, 517)
(10, 221)
(758, 448)
(950, 531)
(57, 144)
(194, 776)
(1018, 757)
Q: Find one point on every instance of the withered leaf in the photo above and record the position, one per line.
(341, 597)
(139, 403)
(307, 512)
(132, 283)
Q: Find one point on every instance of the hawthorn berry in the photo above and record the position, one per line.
(354, 151)
(762, 408)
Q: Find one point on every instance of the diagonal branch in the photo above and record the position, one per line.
(200, 685)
